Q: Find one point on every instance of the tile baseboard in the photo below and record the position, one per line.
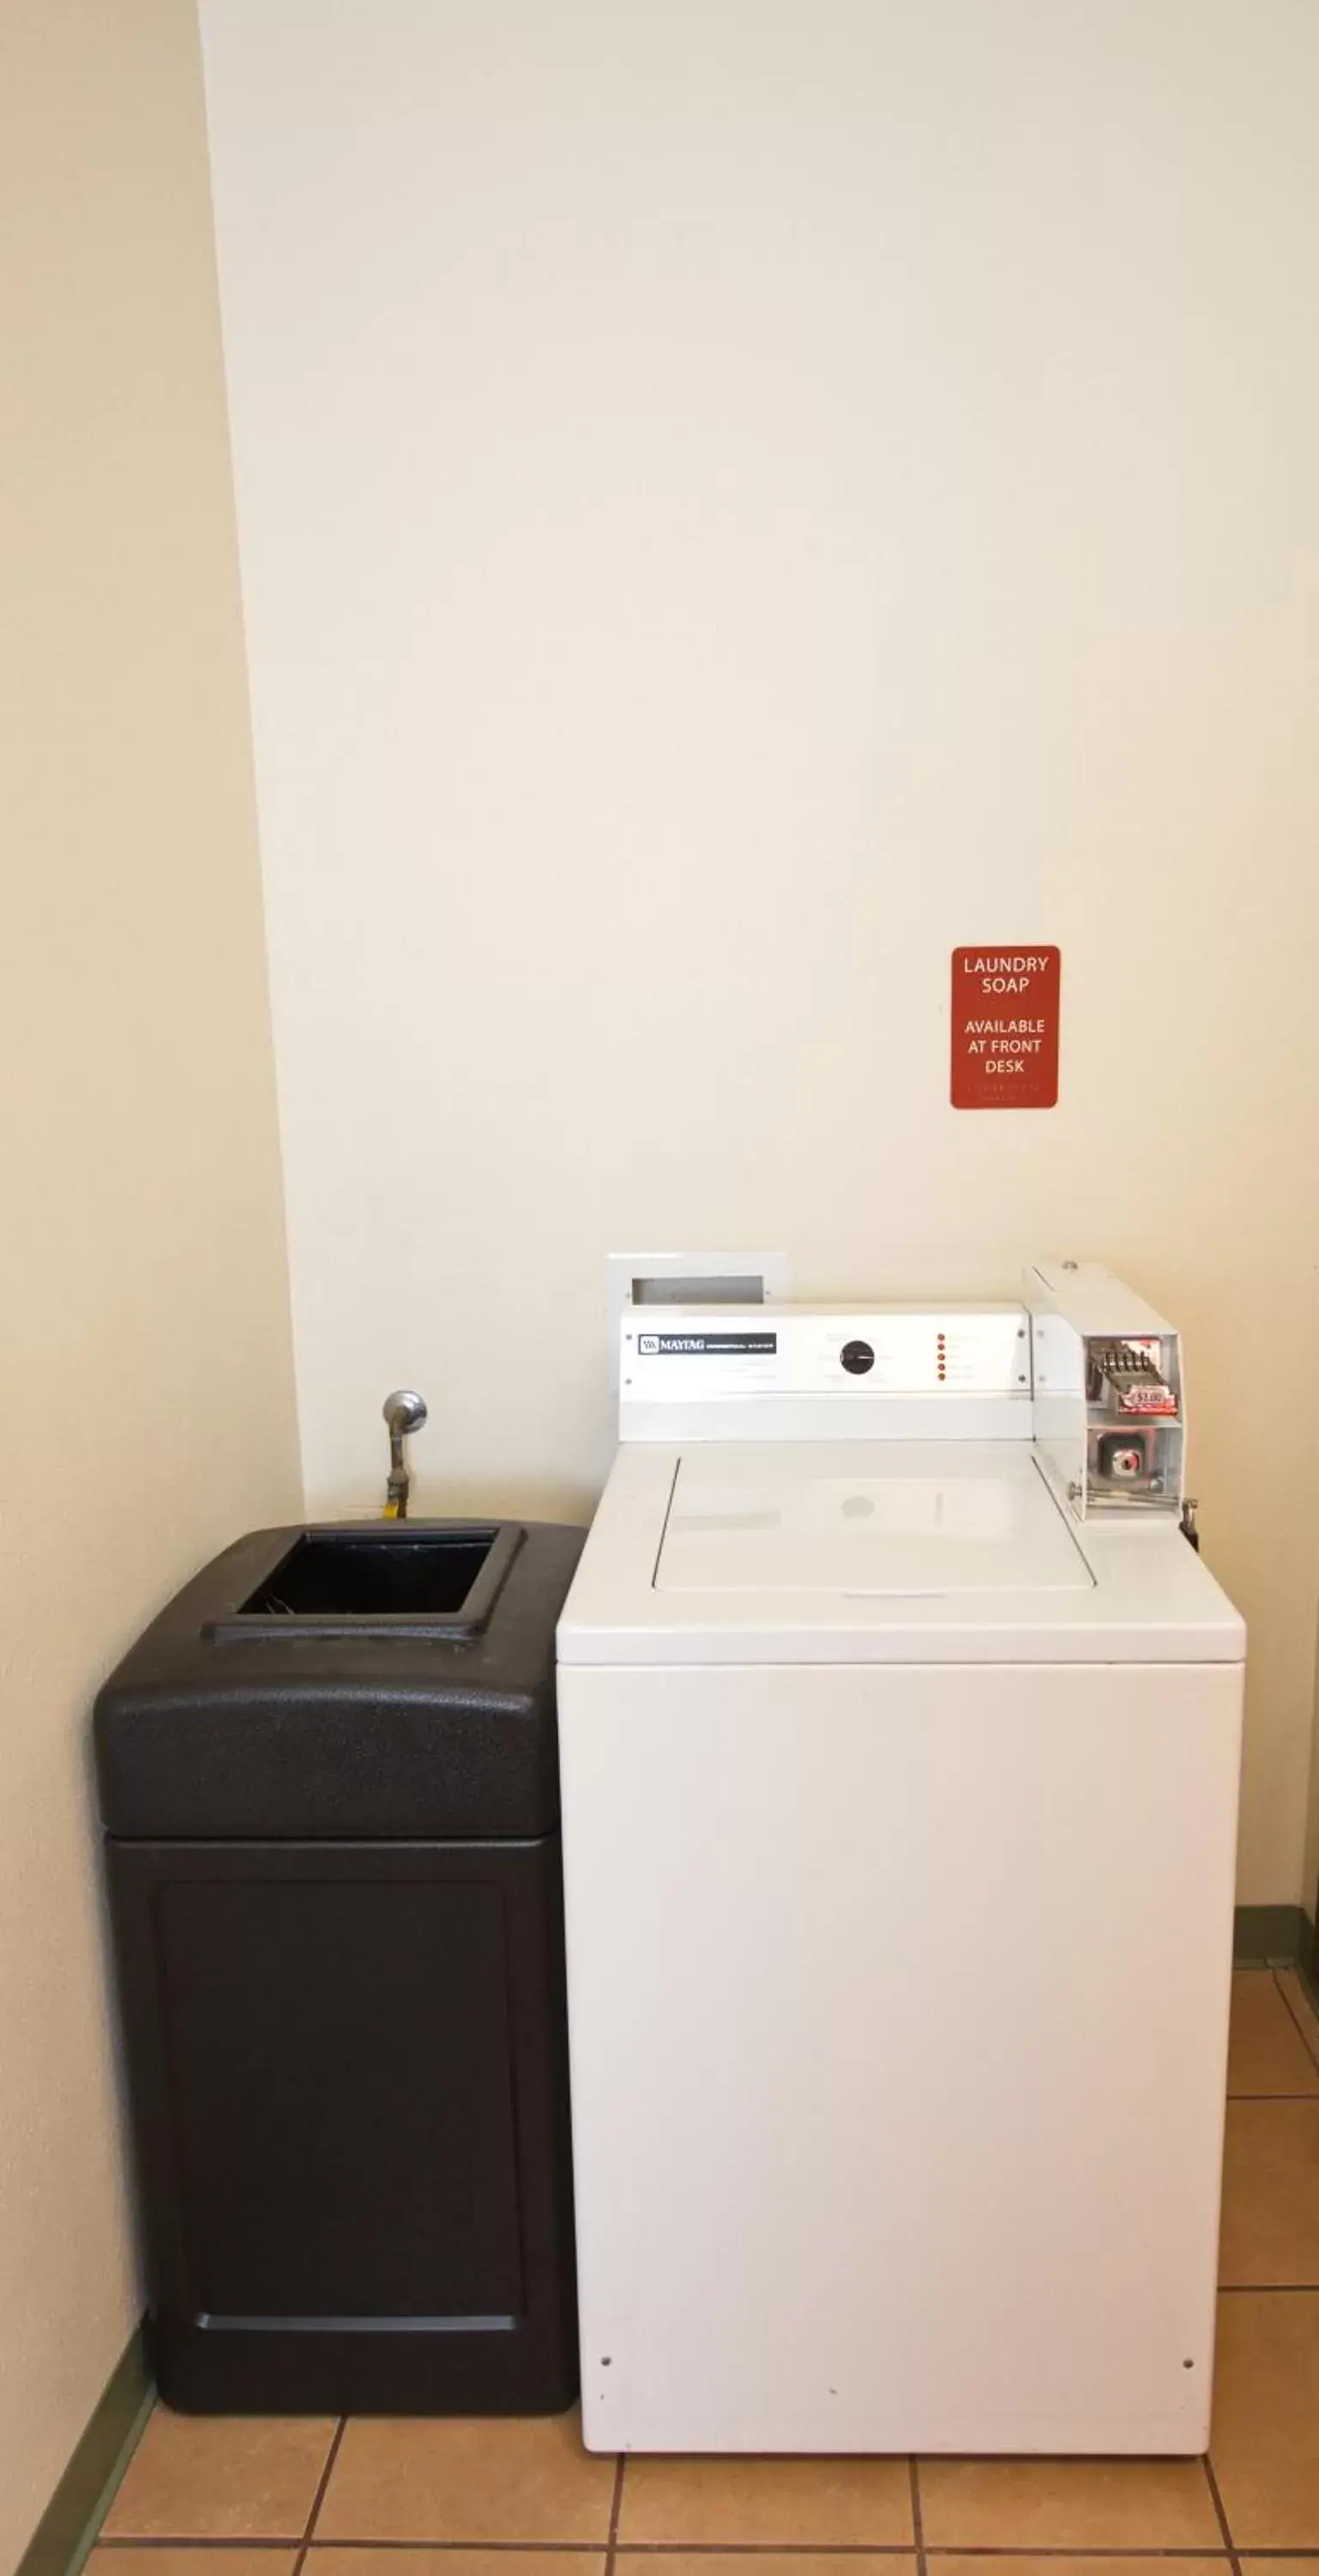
(74, 2514)
(1308, 1962)
(1272, 1936)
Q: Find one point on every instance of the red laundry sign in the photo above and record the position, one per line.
(1005, 1027)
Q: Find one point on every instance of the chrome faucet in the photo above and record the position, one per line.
(404, 1411)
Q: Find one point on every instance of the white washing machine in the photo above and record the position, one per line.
(900, 1732)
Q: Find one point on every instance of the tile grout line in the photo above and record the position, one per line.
(917, 2516)
(1221, 2511)
(1267, 2289)
(691, 2549)
(615, 2514)
(318, 2499)
(1312, 2052)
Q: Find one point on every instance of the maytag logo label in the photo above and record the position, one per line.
(716, 1346)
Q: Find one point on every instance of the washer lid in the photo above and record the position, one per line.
(743, 1553)
(918, 1519)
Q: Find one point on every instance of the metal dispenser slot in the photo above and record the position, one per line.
(1133, 1421)
(1107, 1378)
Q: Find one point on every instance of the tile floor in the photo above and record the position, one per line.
(222, 2496)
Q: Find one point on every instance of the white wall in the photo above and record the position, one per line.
(737, 496)
(145, 1367)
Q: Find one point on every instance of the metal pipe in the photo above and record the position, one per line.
(404, 1411)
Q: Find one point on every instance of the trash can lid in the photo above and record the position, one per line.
(356, 1681)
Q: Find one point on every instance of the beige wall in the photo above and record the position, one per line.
(1310, 1875)
(146, 1382)
(734, 500)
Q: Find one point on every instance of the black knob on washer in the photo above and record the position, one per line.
(857, 1357)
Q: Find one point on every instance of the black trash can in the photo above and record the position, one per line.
(329, 1785)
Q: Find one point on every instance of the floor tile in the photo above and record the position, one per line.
(1265, 2445)
(474, 2479)
(1266, 2053)
(198, 2561)
(1302, 2008)
(1271, 2196)
(768, 2562)
(1067, 2504)
(221, 2477)
(366, 2561)
(1005, 2563)
(799, 2503)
